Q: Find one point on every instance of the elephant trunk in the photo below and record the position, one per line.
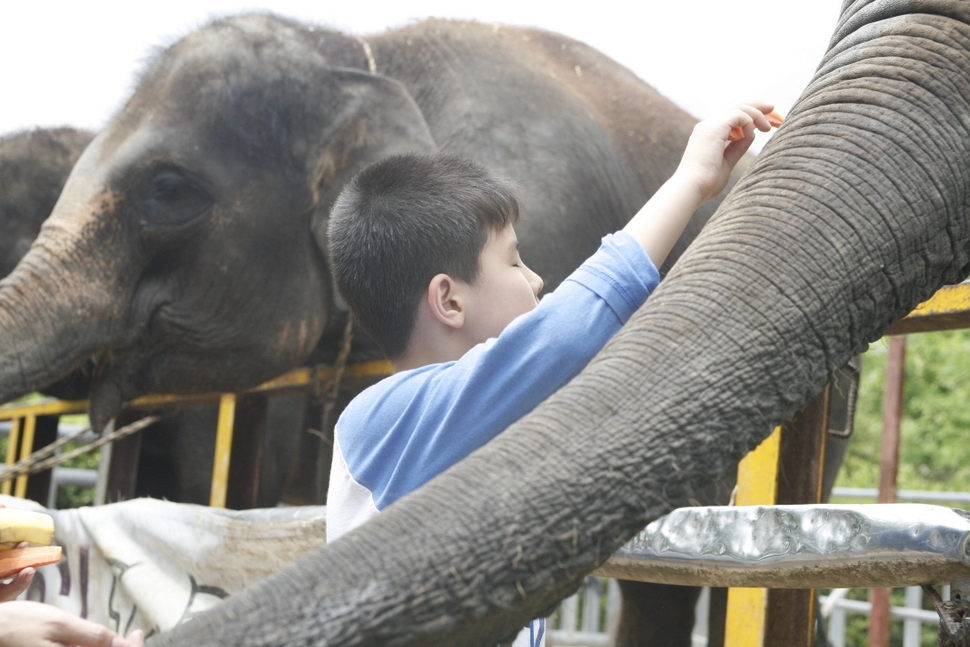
(857, 210)
(61, 305)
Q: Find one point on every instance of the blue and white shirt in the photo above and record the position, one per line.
(405, 430)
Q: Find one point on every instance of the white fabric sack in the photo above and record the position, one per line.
(150, 564)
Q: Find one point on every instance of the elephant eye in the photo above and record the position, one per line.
(168, 197)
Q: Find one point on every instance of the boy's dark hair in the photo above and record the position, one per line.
(403, 220)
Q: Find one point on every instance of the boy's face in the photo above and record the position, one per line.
(505, 288)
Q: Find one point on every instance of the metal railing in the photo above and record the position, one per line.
(20, 421)
(587, 619)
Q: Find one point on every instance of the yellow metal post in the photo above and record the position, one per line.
(220, 466)
(12, 441)
(26, 448)
(757, 485)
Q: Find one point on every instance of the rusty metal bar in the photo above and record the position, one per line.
(892, 413)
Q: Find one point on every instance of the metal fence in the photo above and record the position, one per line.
(588, 618)
(836, 608)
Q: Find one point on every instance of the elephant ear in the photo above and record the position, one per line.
(378, 118)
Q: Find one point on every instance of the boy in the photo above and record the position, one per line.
(424, 251)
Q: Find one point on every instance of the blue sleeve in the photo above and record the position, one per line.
(412, 426)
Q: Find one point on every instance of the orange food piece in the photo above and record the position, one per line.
(17, 559)
(774, 119)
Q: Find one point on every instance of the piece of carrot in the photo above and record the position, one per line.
(17, 559)
(774, 119)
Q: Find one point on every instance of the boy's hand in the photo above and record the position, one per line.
(711, 156)
(16, 586)
(32, 624)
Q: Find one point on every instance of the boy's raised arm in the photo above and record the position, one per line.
(703, 171)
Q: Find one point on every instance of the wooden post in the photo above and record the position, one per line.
(247, 451)
(791, 612)
(12, 441)
(123, 467)
(892, 413)
(45, 433)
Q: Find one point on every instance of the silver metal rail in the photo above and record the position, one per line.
(810, 546)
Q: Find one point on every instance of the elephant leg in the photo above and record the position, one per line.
(175, 462)
(663, 614)
(717, 617)
(286, 423)
(310, 471)
(655, 615)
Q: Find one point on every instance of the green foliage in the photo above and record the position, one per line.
(934, 452)
(935, 430)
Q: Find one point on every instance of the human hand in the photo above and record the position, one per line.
(711, 155)
(16, 586)
(32, 624)
(19, 584)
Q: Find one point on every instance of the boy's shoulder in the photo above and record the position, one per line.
(380, 406)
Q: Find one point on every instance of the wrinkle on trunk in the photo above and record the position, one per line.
(848, 219)
(56, 310)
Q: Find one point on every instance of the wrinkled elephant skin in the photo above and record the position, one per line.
(855, 212)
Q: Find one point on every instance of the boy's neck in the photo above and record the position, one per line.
(430, 343)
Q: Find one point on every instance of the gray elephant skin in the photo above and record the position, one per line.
(185, 253)
(177, 452)
(855, 212)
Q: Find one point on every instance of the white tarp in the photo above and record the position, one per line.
(150, 564)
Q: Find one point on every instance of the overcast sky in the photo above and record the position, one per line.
(73, 63)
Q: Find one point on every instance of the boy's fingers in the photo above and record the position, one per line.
(83, 633)
(762, 106)
(17, 586)
(136, 638)
(757, 116)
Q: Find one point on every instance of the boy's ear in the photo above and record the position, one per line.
(446, 301)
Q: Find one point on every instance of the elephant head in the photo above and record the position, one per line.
(33, 167)
(180, 255)
(857, 210)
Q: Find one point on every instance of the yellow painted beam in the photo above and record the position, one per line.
(948, 309)
(294, 380)
(757, 485)
(44, 408)
(220, 466)
(12, 441)
(298, 380)
(26, 447)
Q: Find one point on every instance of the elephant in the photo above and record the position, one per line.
(34, 164)
(186, 252)
(856, 211)
(177, 451)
